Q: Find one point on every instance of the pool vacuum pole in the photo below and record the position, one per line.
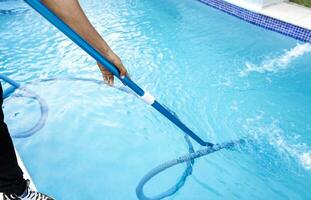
(144, 95)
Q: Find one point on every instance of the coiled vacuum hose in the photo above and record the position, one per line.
(188, 159)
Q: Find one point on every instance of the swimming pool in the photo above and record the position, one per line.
(225, 78)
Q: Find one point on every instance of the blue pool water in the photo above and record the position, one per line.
(225, 78)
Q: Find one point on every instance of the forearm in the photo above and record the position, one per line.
(72, 14)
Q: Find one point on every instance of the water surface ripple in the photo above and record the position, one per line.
(225, 78)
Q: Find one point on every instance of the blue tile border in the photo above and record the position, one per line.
(264, 21)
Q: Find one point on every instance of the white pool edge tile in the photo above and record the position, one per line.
(274, 10)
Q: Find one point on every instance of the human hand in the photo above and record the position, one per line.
(114, 59)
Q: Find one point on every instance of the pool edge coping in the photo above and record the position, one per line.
(260, 18)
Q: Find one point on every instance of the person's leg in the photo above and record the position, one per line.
(11, 176)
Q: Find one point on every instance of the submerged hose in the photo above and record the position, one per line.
(31, 95)
(43, 110)
(43, 105)
(144, 95)
(189, 158)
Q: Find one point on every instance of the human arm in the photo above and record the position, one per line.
(72, 14)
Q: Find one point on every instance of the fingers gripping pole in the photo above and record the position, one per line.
(57, 22)
(76, 38)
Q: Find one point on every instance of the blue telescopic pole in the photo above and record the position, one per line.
(144, 95)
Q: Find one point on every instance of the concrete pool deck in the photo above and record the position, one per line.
(285, 11)
(291, 13)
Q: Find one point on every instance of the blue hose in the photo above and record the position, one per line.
(189, 159)
(12, 88)
(148, 98)
(43, 106)
(28, 94)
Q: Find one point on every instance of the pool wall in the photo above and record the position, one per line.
(261, 20)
